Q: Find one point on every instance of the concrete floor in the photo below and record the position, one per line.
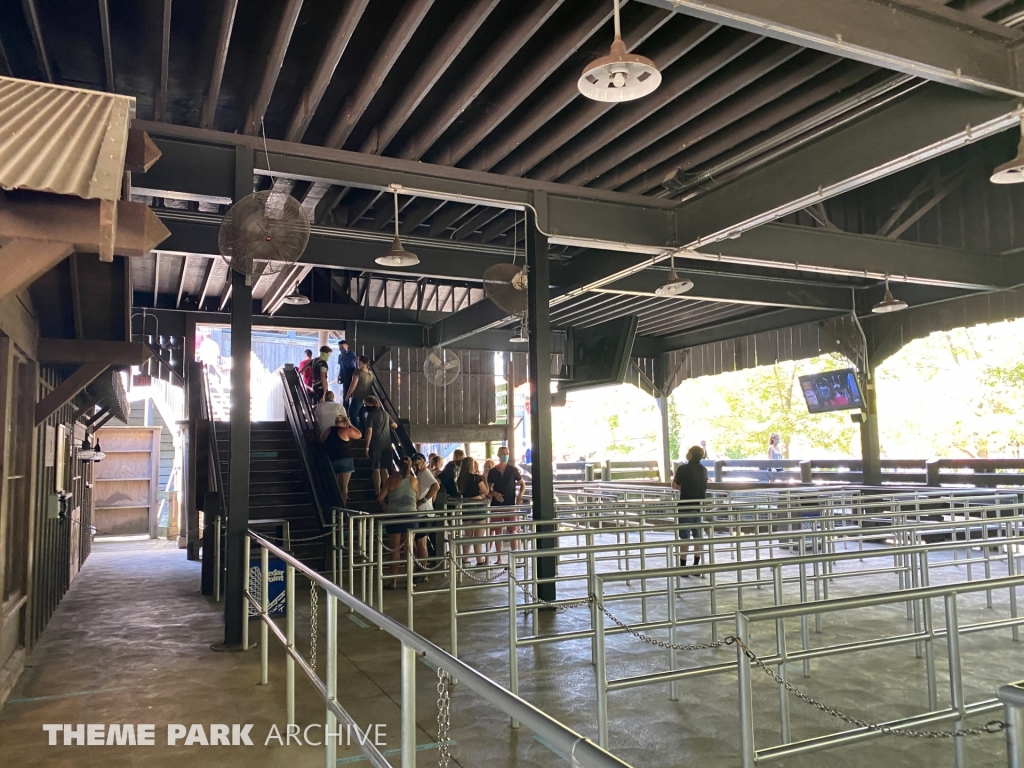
(131, 643)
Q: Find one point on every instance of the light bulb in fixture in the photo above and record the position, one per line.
(674, 285)
(1013, 171)
(888, 303)
(397, 256)
(619, 76)
(296, 299)
(523, 335)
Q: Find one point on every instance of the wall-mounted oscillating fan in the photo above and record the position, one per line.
(263, 233)
(505, 285)
(442, 366)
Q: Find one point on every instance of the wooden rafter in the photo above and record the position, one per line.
(66, 391)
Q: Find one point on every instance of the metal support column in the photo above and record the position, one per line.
(539, 320)
(666, 448)
(238, 483)
(190, 444)
(870, 451)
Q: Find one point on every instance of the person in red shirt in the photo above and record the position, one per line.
(306, 369)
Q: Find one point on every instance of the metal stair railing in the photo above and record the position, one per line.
(400, 439)
(300, 417)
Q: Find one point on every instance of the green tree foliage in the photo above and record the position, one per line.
(737, 412)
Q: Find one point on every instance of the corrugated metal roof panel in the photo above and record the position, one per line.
(67, 141)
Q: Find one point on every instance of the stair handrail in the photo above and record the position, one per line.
(206, 413)
(302, 420)
(401, 442)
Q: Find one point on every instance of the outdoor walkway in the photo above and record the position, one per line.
(131, 644)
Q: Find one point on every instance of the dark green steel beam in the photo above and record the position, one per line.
(922, 39)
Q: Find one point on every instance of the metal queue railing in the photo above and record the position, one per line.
(946, 626)
(366, 531)
(918, 554)
(815, 572)
(564, 742)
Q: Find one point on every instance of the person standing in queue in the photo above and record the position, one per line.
(347, 364)
(691, 480)
(338, 441)
(359, 387)
(449, 478)
(507, 489)
(378, 426)
(398, 497)
(320, 368)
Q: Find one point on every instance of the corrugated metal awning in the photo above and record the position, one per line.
(67, 141)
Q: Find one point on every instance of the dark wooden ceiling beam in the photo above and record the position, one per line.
(336, 46)
(181, 280)
(480, 75)
(519, 163)
(651, 169)
(204, 284)
(427, 74)
(160, 108)
(380, 66)
(76, 296)
(559, 98)
(22, 261)
(919, 39)
(220, 57)
(417, 212)
(32, 18)
(275, 60)
(65, 392)
(447, 216)
(735, 109)
(81, 351)
(108, 54)
(475, 222)
(711, 94)
(526, 84)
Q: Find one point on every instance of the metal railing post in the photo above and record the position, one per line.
(453, 608)
(1012, 697)
(513, 631)
(748, 754)
(602, 672)
(245, 598)
(410, 541)
(780, 649)
(670, 591)
(408, 707)
(335, 565)
(290, 597)
(216, 560)
(956, 683)
(929, 643)
(265, 611)
(331, 680)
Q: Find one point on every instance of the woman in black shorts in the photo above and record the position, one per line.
(338, 442)
(473, 488)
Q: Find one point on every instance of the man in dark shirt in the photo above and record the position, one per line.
(320, 367)
(378, 441)
(449, 476)
(346, 367)
(507, 486)
(691, 480)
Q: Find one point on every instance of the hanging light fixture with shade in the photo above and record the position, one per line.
(523, 334)
(295, 298)
(888, 303)
(397, 256)
(619, 76)
(1013, 171)
(88, 452)
(674, 285)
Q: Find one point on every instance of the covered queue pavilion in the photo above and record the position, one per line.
(736, 185)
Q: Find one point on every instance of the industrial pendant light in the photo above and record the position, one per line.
(619, 76)
(295, 298)
(1013, 171)
(89, 453)
(675, 285)
(397, 256)
(523, 335)
(888, 302)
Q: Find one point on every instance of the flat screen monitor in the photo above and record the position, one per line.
(831, 391)
(601, 354)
